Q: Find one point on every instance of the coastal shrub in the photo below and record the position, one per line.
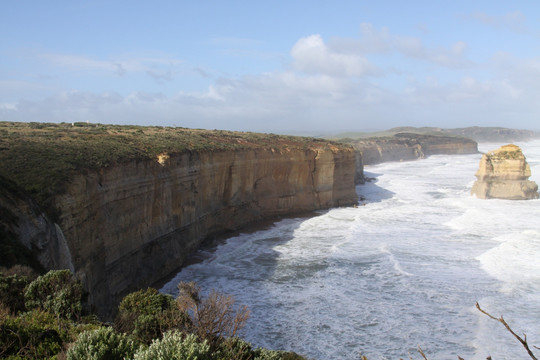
(20, 270)
(103, 343)
(266, 354)
(33, 335)
(239, 349)
(234, 348)
(57, 292)
(214, 317)
(176, 346)
(11, 288)
(147, 314)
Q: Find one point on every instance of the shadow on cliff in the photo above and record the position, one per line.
(252, 254)
(247, 256)
(370, 192)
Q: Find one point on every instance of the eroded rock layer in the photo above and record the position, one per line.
(504, 174)
(406, 147)
(131, 225)
(124, 206)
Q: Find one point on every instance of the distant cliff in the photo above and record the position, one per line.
(504, 174)
(476, 133)
(407, 146)
(494, 134)
(132, 221)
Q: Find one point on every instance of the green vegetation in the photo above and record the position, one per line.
(102, 343)
(176, 346)
(391, 132)
(41, 319)
(481, 134)
(147, 314)
(37, 317)
(56, 292)
(40, 158)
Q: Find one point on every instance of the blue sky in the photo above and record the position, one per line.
(283, 66)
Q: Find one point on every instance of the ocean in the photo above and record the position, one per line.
(403, 269)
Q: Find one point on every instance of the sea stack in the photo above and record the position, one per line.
(504, 174)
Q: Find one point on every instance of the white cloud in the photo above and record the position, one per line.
(8, 106)
(328, 86)
(79, 62)
(158, 68)
(515, 21)
(311, 55)
(373, 41)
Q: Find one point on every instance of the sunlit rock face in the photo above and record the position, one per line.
(504, 174)
(405, 147)
(130, 225)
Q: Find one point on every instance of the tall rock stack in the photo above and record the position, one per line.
(504, 174)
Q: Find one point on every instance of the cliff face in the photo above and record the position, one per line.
(130, 225)
(405, 146)
(503, 174)
(22, 220)
(123, 206)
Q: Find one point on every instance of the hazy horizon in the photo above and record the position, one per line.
(283, 67)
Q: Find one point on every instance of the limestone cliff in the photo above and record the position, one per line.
(128, 224)
(503, 174)
(407, 146)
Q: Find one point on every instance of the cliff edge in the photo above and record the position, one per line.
(504, 174)
(123, 207)
(406, 147)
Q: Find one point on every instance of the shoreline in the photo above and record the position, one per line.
(211, 243)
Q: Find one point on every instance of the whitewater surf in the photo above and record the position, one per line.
(404, 268)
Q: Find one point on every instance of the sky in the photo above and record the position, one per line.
(297, 67)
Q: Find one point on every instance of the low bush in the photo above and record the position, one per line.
(234, 348)
(147, 314)
(57, 292)
(11, 288)
(103, 343)
(213, 318)
(33, 335)
(20, 270)
(176, 346)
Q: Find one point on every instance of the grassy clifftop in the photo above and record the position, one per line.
(477, 133)
(40, 157)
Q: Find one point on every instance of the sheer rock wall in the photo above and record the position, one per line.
(130, 225)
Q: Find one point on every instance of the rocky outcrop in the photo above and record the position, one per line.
(389, 149)
(504, 174)
(130, 225)
(406, 146)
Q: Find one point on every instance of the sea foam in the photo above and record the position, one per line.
(403, 269)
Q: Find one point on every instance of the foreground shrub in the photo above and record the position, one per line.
(103, 343)
(176, 346)
(265, 354)
(11, 288)
(234, 348)
(33, 335)
(147, 314)
(213, 318)
(21, 270)
(57, 292)
(239, 349)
